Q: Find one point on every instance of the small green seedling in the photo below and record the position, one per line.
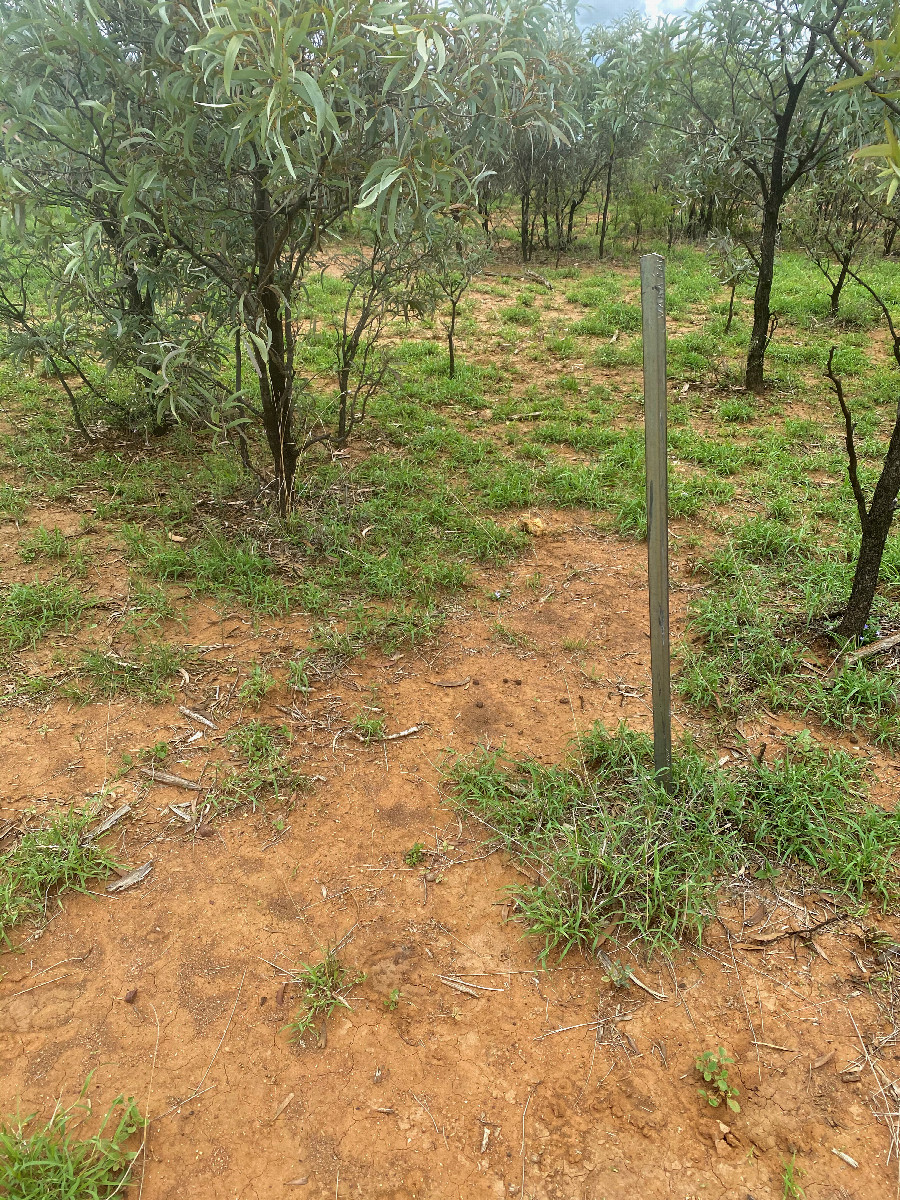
(393, 999)
(325, 987)
(415, 855)
(156, 753)
(713, 1066)
(257, 685)
(791, 1188)
(368, 729)
(298, 674)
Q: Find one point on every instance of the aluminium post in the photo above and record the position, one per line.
(653, 323)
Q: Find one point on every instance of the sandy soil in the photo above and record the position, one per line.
(492, 1076)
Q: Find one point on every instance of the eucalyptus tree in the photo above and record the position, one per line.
(213, 150)
(872, 67)
(457, 254)
(835, 224)
(751, 78)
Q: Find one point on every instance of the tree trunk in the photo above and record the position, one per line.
(836, 291)
(275, 370)
(450, 332)
(344, 390)
(730, 307)
(760, 336)
(605, 220)
(874, 536)
(525, 224)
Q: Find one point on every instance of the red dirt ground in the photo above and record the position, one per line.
(509, 1077)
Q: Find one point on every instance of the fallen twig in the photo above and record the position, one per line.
(104, 827)
(172, 780)
(198, 717)
(885, 643)
(133, 877)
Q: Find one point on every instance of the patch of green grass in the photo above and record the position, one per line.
(773, 584)
(148, 606)
(608, 317)
(43, 543)
(298, 674)
(29, 611)
(229, 569)
(147, 674)
(256, 686)
(47, 1162)
(615, 854)
(368, 728)
(324, 987)
(12, 500)
(44, 863)
(791, 1189)
(265, 773)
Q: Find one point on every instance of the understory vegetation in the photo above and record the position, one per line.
(39, 1161)
(619, 857)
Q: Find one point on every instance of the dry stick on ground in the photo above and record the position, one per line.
(422, 1104)
(891, 1119)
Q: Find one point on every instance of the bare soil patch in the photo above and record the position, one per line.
(465, 1069)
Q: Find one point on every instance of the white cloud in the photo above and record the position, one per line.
(605, 12)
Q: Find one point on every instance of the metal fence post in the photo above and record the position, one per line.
(653, 321)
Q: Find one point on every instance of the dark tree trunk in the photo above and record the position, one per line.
(276, 370)
(759, 338)
(874, 536)
(836, 290)
(605, 220)
(730, 307)
(525, 224)
(344, 391)
(889, 234)
(450, 332)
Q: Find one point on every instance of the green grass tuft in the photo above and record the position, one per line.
(615, 854)
(49, 1163)
(45, 862)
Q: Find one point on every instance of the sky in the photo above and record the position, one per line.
(602, 12)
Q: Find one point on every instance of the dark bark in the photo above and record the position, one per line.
(759, 337)
(275, 369)
(731, 306)
(604, 225)
(874, 537)
(836, 290)
(450, 332)
(525, 223)
(875, 519)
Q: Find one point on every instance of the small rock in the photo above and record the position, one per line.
(205, 830)
(131, 996)
(533, 526)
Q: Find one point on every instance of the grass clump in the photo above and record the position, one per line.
(325, 987)
(256, 686)
(146, 675)
(46, 862)
(28, 611)
(43, 543)
(617, 855)
(49, 1163)
(265, 772)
